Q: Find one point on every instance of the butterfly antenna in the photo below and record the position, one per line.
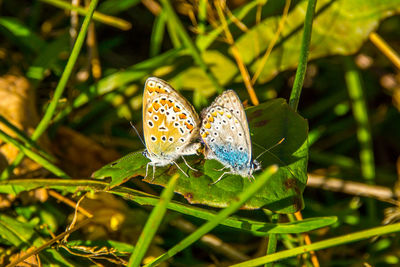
(137, 132)
(272, 154)
(267, 150)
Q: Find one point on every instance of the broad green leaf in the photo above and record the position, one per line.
(255, 227)
(269, 123)
(340, 27)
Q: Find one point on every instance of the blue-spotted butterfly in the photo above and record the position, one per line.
(225, 133)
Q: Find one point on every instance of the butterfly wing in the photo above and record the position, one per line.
(170, 123)
(226, 137)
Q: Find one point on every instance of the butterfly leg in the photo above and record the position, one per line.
(180, 169)
(147, 169)
(154, 172)
(219, 179)
(190, 167)
(223, 168)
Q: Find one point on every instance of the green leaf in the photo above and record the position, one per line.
(16, 186)
(22, 35)
(339, 28)
(269, 123)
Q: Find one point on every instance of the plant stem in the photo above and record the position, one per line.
(364, 136)
(301, 68)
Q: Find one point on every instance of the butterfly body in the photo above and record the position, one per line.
(226, 135)
(170, 124)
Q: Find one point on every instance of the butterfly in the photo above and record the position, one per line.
(225, 133)
(170, 125)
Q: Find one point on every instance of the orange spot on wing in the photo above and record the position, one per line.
(170, 104)
(211, 119)
(156, 106)
(214, 114)
(150, 89)
(189, 126)
(229, 116)
(150, 109)
(182, 116)
(177, 109)
(163, 102)
(207, 125)
(221, 112)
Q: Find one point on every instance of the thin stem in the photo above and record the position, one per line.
(301, 68)
(364, 136)
(152, 224)
(272, 43)
(331, 242)
(385, 49)
(236, 55)
(97, 16)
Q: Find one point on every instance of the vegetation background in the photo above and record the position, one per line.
(72, 75)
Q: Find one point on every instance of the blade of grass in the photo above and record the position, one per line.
(174, 20)
(305, 44)
(157, 35)
(46, 120)
(202, 16)
(258, 228)
(272, 239)
(97, 16)
(152, 224)
(360, 114)
(332, 242)
(33, 155)
(222, 215)
(28, 143)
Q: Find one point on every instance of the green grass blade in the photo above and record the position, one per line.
(332, 242)
(258, 228)
(222, 215)
(97, 16)
(360, 114)
(24, 138)
(157, 35)
(46, 120)
(33, 155)
(152, 224)
(173, 18)
(272, 239)
(305, 44)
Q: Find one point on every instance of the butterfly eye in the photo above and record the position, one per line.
(150, 84)
(153, 138)
(182, 140)
(233, 127)
(171, 139)
(215, 133)
(163, 138)
(155, 117)
(240, 134)
(241, 148)
(150, 123)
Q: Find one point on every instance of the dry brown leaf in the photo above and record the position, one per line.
(79, 155)
(17, 105)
